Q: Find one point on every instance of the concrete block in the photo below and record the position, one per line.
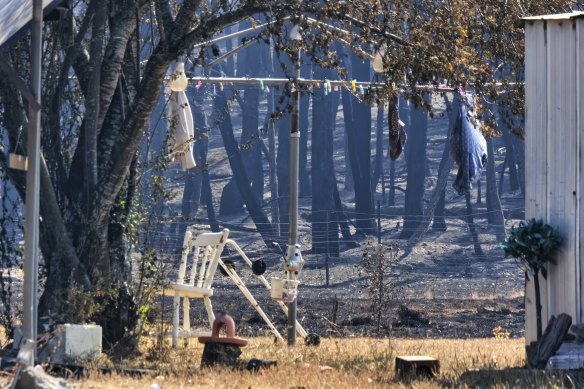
(72, 343)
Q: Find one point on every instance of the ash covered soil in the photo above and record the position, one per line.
(437, 294)
(442, 287)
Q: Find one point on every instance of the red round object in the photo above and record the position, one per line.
(223, 319)
(224, 340)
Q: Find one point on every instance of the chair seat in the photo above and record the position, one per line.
(185, 290)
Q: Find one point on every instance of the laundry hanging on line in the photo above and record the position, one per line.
(181, 122)
(397, 135)
(468, 145)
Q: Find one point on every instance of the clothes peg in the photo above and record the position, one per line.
(198, 85)
(354, 85)
(262, 85)
(361, 89)
(326, 85)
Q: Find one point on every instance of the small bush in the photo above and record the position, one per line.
(380, 265)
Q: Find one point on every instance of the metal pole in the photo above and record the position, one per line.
(293, 210)
(31, 229)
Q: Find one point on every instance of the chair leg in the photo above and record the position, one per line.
(186, 314)
(175, 321)
(239, 283)
(209, 307)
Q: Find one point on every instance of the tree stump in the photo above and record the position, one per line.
(219, 350)
(220, 354)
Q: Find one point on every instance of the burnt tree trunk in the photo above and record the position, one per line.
(494, 210)
(221, 109)
(273, 177)
(357, 115)
(378, 161)
(324, 113)
(439, 223)
(283, 157)
(471, 226)
(251, 151)
(416, 166)
(437, 199)
(340, 216)
(349, 182)
(305, 184)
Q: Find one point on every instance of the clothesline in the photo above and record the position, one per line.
(330, 84)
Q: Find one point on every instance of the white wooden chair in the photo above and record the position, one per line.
(195, 280)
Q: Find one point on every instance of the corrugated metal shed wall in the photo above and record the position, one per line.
(554, 83)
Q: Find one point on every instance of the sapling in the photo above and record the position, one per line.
(535, 244)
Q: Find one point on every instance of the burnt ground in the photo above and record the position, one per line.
(434, 295)
(441, 287)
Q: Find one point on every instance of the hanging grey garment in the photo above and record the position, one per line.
(397, 135)
(468, 145)
(181, 121)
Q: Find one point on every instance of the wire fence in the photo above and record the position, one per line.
(439, 270)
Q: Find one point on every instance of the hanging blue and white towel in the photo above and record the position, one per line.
(468, 145)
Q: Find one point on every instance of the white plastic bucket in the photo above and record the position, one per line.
(284, 290)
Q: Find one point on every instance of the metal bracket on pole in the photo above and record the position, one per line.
(294, 262)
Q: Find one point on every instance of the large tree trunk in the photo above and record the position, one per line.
(494, 210)
(283, 158)
(439, 223)
(249, 65)
(223, 117)
(357, 115)
(504, 118)
(324, 228)
(251, 152)
(471, 226)
(349, 182)
(275, 210)
(305, 185)
(416, 161)
(437, 199)
(378, 161)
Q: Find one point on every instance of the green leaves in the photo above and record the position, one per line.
(535, 243)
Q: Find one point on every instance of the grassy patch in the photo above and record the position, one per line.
(355, 362)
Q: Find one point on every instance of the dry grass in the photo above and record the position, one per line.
(355, 362)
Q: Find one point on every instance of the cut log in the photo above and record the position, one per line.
(551, 339)
(221, 354)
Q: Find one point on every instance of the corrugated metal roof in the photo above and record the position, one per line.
(566, 16)
(15, 17)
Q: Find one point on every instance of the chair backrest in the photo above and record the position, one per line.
(206, 250)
